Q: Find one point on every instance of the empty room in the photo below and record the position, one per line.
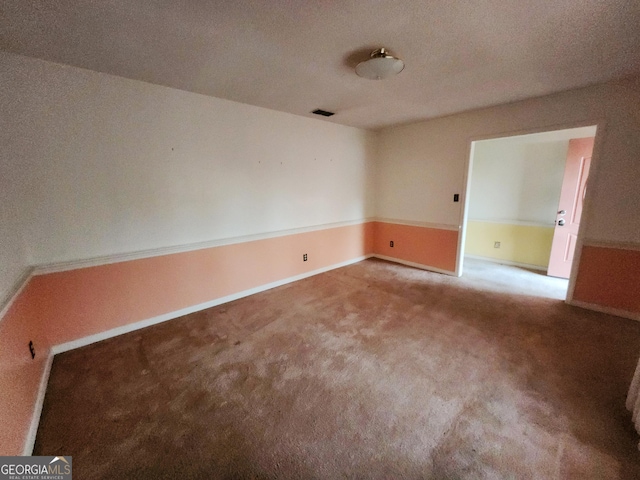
(295, 239)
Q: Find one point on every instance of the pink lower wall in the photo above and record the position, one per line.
(431, 247)
(91, 300)
(609, 277)
(59, 307)
(19, 374)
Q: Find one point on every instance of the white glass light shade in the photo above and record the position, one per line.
(381, 65)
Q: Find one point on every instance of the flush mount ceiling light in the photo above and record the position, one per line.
(380, 65)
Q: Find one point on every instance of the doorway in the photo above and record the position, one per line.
(511, 211)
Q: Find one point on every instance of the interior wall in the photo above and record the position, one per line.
(513, 197)
(519, 244)
(13, 258)
(108, 165)
(13, 255)
(422, 165)
(416, 245)
(610, 280)
(100, 167)
(19, 374)
(516, 180)
(86, 302)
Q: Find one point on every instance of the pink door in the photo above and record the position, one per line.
(574, 187)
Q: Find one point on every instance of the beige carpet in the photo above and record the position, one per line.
(372, 371)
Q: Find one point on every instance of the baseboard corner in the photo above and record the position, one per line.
(416, 265)
(618, 312)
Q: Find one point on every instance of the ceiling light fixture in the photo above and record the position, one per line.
(380, 65)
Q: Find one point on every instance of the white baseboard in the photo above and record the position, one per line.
(508, 262)
(412, 223)
(608, 310)
(114, 332)
(415, 265)
(30, 441)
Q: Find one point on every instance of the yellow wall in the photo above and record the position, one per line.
(518, 243)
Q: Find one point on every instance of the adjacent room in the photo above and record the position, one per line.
(525, 201)
(321, 240)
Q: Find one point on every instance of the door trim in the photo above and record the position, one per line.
(599, 123)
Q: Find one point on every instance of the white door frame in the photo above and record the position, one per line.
(589, 197)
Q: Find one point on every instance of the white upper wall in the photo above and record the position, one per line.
(13, 259)
(422, 165)
(514, 180)
(107, 165)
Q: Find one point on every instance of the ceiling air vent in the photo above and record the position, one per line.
(324, 113)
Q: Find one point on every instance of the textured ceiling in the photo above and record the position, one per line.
(298, 55)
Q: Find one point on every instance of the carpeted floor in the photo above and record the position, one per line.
(371, 371)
